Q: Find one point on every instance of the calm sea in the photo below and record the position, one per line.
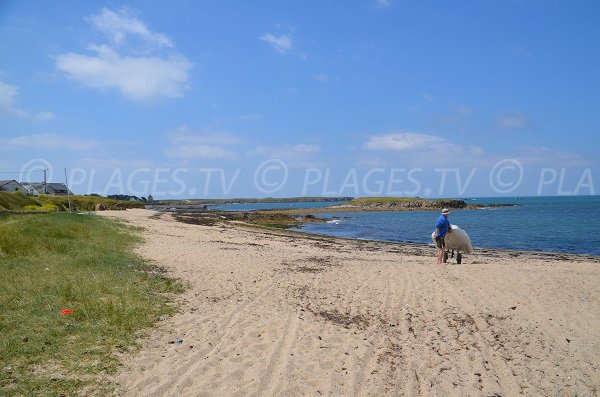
(557, 224)
(268, 206)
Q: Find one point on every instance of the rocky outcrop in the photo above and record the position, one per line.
(415, 204)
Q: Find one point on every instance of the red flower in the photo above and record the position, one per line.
(66, 311)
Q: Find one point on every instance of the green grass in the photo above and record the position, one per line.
(86, 203)
(382, 200)
(51, 262)
(15, 201)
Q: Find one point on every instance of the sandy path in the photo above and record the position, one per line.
(270, 314)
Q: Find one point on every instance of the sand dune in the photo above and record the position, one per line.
(276, 314)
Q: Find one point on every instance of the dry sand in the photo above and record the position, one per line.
(276, 314)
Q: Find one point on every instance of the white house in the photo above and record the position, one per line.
(36, 188)
(33, 189)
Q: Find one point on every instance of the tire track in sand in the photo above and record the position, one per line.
(278, 365)
(482, 361)
(536, 311)
(346, 305)
(378, 340)
(409, 339)
(275, 372)
(184, 372)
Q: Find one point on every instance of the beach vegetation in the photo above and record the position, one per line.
(73, 296)
(16, 201)
(87, 203)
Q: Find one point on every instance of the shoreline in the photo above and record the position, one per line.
(482, 250)
(275, 312)
(368, 208)
(550, 255)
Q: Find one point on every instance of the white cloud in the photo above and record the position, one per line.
(295, 155)
(8, 96)
(321, 77)
(43, 116)
(463, 110)
(184, 135)
(513, 120)
(281, 43)
(47, 141)
(250, 116)
(540, 155)
(117, 25)
(204, 143)
(112, 163)
(139, 78)
(426, 151)
(458, 117)
(402, 141)
(200, 151)
(8, 107)
(421, 150)
(288, 151)
(383, 3)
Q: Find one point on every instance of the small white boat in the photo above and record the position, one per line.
(456, 240)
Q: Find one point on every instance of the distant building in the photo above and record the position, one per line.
(54, 189)
(33, 189)
(11, 186)
(58, 189)
(150, 198)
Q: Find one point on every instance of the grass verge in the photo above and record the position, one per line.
(53, 262)
(15, 201)
(86, 203)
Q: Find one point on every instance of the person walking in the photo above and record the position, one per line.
(442, 226)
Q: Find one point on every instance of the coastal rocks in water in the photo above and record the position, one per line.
(416, 204)
(412, 204)
(260, 218)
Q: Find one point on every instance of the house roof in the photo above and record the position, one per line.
(49, 187)
(57, 186)
(6, 181)
(35, 185)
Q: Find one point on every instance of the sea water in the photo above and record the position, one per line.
(269, 206)
(569, 224)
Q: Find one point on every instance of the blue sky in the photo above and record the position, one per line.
(288, 98)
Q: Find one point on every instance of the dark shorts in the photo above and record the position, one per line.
(439, 242)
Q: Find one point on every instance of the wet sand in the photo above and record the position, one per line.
(281, 314)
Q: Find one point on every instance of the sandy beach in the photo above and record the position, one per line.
(271, 313)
